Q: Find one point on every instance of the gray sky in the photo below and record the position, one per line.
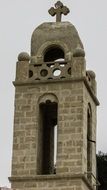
(18, 19)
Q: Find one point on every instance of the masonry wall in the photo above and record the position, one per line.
(73, 98)
(88, 99)
(70, 127)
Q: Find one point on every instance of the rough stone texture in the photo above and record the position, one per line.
(61, 33)
(23, 56)
(73, 95)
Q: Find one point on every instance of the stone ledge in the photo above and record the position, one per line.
(82, 79)
(53, 177)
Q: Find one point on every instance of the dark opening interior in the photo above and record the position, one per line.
(53, 53)
(48, 121)
(89, 144)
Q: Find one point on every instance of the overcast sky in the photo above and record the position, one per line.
(18, 19)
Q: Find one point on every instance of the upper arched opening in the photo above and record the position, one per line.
(54, 53)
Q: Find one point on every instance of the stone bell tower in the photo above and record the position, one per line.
(54, 140)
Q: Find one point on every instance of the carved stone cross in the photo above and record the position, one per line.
(58, 11)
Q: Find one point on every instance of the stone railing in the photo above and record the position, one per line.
(50, 70)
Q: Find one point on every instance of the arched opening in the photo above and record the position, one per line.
(47, 138)
(89, 143)
(54, 53)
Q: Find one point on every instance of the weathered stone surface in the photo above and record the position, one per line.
(23, 56)
(42, 101)
(58, 11)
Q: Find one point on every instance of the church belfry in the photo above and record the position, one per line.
(54, 140)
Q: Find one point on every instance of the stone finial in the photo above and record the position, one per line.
(58, 11)
(23, 56)
(92, 74)
(79, 52)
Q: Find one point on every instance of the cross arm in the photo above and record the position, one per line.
(52, 11)
(65, 10)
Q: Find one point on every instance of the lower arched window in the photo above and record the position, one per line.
(89, 142)
(47, 137)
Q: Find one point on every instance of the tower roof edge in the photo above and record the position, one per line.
(55, 31)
